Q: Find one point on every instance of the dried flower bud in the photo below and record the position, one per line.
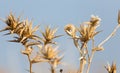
(70, 30)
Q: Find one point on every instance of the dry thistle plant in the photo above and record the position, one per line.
(48, 52)
(87, 32)
(25, 35)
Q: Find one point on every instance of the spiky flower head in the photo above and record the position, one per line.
(28, 32)
(49, 35)
(85, 33)
(13, 23)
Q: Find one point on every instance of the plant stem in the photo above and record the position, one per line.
(30, 63)
(82, 61)
(82, 64)
(90, 61)
(93, 43)
(30, 67)
(90, 58)
(52, 69)
(114, 31)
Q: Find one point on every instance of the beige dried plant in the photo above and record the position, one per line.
(25, 34)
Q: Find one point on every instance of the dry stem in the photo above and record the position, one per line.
(82, 64)
(90, 60)
(52, 69)
(82, 61)
(30, 63)
(114, 31)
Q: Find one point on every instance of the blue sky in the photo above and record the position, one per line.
(58, 13)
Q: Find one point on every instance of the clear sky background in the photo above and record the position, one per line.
(58, 13)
